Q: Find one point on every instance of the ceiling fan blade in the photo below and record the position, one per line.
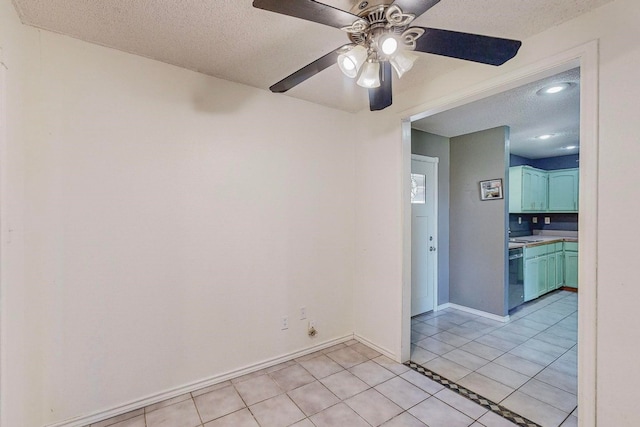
(381, 97)
(310, 10)
(417, 7)
(470, 47)
(308, 71)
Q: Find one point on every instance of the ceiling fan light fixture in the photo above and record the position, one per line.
(389, 45)
(370, 75)
(350, 62)
(403, 62)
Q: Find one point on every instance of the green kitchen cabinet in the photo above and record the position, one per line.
(563, 190)
(555, 266)
(571, 264)
(552, 271)
(528, 189)
(544, 268)
(543, 275)
(559, 268)
(531, 279)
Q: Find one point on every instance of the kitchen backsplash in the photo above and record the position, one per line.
(549, 163)
(526, 226)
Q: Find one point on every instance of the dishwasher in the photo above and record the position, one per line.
(516, 277)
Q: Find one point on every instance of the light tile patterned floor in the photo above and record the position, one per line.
(528, 365)
(348, 385)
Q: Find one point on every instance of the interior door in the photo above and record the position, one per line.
(424, 197)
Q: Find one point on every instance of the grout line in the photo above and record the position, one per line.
(474, 397)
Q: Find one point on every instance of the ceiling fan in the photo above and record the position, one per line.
(381, 40)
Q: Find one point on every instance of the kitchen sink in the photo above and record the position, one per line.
(525, 241)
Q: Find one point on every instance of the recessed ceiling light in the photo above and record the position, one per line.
(571, 147)
(546, 136)
(555, 88)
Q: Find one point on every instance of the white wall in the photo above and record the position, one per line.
(616, 27)
(169, 220)
(20, 350)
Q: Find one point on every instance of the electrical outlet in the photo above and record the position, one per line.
(534, 220)
(284, 324)
(519, 220)
(547, 220)
(311, 330)
(303, 313)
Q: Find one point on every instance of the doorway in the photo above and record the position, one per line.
(584, 57)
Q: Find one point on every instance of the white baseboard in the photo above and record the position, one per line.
(197, 385)
(503, 319)
(443, 306)
(391, 355)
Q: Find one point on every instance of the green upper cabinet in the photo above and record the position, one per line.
(536, 190)
(563, 190)
(527, 189)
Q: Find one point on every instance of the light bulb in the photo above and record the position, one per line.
(389, 46)
(555, 89)
(348, 64)
(351, 61)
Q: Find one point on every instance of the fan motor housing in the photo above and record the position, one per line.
(376, 18)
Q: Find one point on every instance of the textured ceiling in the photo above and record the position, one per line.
(527, 113)
(232, 40)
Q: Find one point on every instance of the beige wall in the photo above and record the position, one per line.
(163, 223)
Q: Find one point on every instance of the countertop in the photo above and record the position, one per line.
(537, 240)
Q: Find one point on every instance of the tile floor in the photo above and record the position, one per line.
(528, 365)
(348, 385)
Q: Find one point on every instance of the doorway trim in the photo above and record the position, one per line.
(586, 57)
(436, 162)
(3, 142)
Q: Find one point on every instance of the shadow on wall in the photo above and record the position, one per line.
(221, 97)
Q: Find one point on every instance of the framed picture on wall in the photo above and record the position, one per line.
(491, 189)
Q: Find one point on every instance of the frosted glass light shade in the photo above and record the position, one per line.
(351, 61)
(370, 76)
(403, 62)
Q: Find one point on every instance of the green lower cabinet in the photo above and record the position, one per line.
(571, 269)
(531, 279)
(549, 267)
(552, 271)
(559, 269)
(543, 275)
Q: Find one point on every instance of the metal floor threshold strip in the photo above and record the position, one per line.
(475, 397)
